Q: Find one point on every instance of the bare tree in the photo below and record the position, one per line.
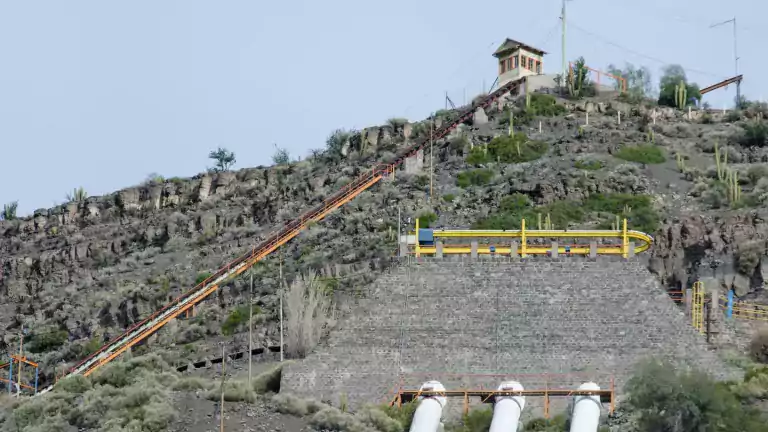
(308, 314)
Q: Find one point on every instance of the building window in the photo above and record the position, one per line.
(509, 64)
(501, 67)
(514, 62)
(538, 67)
(523, 60)
(530, 64)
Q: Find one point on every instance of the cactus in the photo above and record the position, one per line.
(511, 123)
(574, 84)
(547, 222)
(680, 162)
(734, 189)
(721, 165)
(681, 95)
(651, 136)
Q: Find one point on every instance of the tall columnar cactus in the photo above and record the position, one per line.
(680, 162)
(734, 189)
(681, 95)
(574, 84)
(547, 222)
(720, 162)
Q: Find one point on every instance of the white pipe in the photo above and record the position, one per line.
(507, 409)
(430, 410)
(586, 410)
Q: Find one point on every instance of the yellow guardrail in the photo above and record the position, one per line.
(745, 310)
(644, 241)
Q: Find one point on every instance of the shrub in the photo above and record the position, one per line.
(202, 276)
(237, 318)
(77, 195)
(638, 209)
(426, 219)
(476, 177)
(449, 198)
(666, 399)
(758, 348)
(9, 211)
(293, 405)
(515, 148)
(588, 164)
(643, 153)
(754, 134)
(47, 341)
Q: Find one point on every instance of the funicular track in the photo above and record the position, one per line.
(140, 331)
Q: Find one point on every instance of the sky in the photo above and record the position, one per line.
(100, 94)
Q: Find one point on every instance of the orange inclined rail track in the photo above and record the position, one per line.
(140, 331)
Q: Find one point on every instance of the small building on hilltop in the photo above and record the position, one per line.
(517, 60)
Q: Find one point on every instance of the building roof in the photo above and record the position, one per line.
(511, 44)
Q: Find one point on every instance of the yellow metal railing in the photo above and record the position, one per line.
(697, 306)
(746, 310)
(644, 241)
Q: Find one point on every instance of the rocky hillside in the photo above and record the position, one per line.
(78, 274)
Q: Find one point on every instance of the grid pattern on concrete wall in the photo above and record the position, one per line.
(583, 319)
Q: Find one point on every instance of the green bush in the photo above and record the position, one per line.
(476, 177)
(237, 318)
(664, 398)
(515, 148)
(427, 219)
(588, 164)
(9, 211)
(638, 209)
(754, 134)
(449, 198)
(201, 277)
(47, 341)
(642, 153)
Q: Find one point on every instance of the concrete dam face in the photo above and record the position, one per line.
(473, 323)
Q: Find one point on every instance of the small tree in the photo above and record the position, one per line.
(9, 211)
(673, 82)
(336, 140)
(224, 158)
(308, 313)
(281, 156)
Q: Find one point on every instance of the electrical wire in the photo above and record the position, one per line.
(639, 54)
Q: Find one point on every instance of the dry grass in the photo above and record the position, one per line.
(308, 315)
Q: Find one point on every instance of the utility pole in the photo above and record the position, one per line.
(223, 376)
(21, 356)
(250, 331)
(562, 17)
(735, 57)
(282, 285)
(431, 159)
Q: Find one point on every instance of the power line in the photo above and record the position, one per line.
(639, 54)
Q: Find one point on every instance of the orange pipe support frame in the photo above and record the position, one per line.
(146, 327)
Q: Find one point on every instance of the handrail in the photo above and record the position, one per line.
(722, 83)
(149, 325)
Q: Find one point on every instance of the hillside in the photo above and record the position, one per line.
(78, 274)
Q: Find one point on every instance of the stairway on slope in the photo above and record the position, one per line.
(442, 318)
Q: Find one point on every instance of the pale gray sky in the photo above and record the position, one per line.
(100, 94)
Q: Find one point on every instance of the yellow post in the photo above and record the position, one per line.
(416, 248)
(624, 240)
(697, 306)
(522, 238)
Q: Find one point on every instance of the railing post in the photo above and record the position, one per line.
(729, 310)
(522, 239)
(10, 376)
(624, 240)
(416, 246)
